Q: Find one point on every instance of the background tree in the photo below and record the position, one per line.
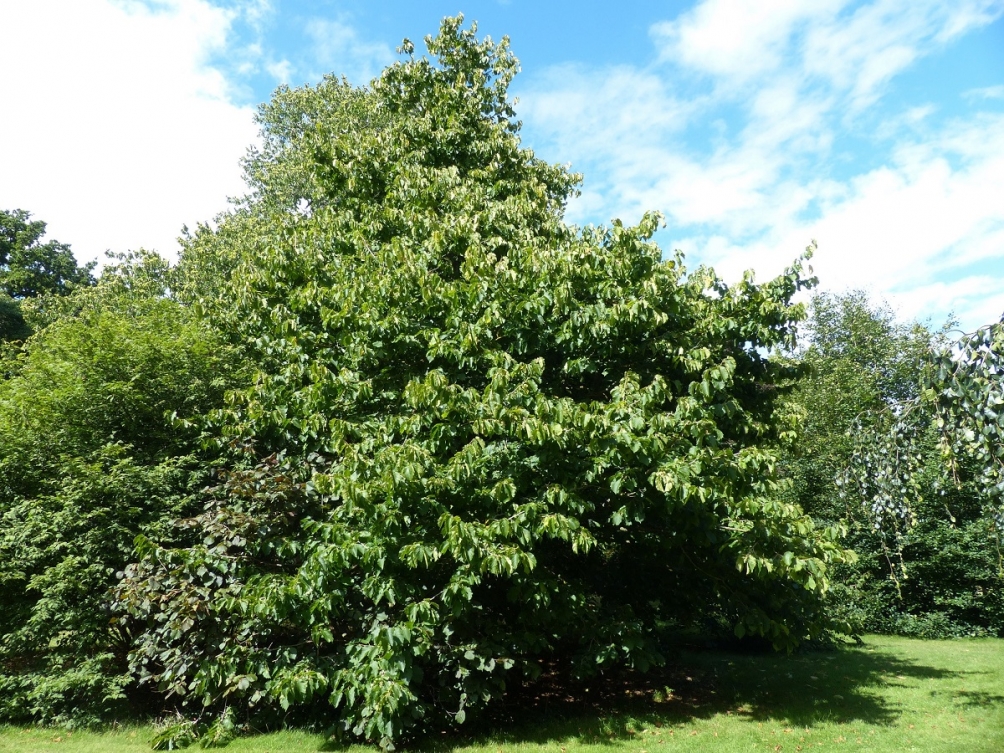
(859, 361)
(13, 327)
(485, 439)
(864, 376)
(30, 268)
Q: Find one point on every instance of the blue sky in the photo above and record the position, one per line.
(875, 127)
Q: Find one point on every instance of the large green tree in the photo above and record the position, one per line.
(859, 361)
(486, 440)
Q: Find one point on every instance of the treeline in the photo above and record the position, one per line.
(392, 438)
(931, 568)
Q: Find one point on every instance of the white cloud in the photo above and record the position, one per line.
(861, 51)
(626, 129)
(971, 301)
(745, 169)
(737, 39)
(965, 15)
(281, 71)
(256, 12)
(118, 129)
(903, 229)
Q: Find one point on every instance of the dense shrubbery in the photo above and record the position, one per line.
(89, 457)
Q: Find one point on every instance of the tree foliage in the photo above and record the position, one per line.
(869, 458)
(964, 385)
(961, 396)
(30, 268)
(482, 443)
(89, 458)
(859, 363)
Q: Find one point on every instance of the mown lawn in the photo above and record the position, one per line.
(891, 694)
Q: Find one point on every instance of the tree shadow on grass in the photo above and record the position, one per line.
(975, 699)
(805, 689)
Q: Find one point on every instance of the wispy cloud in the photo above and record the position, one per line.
(280, 70)
(855, 47)
(748, 130)
(985, 92)
(337, 47)
(861, 50)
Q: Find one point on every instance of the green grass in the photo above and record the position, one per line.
(891, 694)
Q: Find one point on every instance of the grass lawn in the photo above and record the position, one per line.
(891, 694)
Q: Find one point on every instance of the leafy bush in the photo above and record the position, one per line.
(89, 458)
